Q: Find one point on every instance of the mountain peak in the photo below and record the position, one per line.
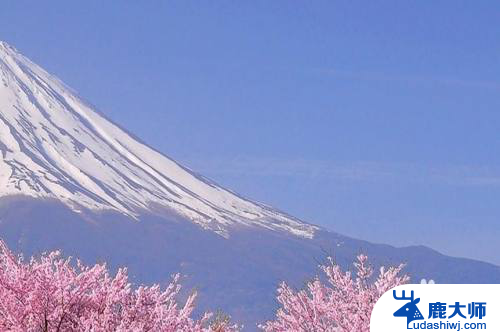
(54, 145)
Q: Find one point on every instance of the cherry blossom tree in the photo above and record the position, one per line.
(344, 304)
(53, 294)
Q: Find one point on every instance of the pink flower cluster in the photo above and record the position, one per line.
(51, 294)
(344, 304)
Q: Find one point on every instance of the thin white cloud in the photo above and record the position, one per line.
(459, 175)
(379, 76)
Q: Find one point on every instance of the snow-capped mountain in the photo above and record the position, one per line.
(54, 145)
(72, 180)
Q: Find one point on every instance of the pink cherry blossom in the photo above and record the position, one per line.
(344, 304)
(52, 294)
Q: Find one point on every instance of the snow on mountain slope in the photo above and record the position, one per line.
(54, 145)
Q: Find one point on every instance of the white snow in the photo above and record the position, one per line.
(54, 145)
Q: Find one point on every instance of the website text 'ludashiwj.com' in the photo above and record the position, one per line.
(455, 326)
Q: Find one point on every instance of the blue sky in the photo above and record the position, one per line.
(377, 119)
